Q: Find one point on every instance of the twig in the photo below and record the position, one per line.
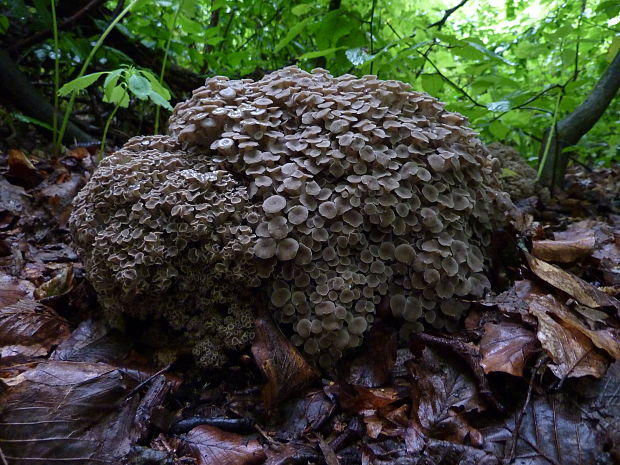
(447, 13)
(453, 84)
(528, 101)
(3, 458)
(42, 35)
(519, 419)
(147, 381)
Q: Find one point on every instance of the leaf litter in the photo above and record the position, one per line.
(530, 378)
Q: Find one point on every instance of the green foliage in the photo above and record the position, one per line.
(512, 67)
(120, 84)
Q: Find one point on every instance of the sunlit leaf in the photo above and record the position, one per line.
(498, 107)
(139, 86)
(301, 9)
(319, 53)
(358, 56)
(292, 33)
(79, 83)
(432, 83)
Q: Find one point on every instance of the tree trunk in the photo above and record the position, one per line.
(17, 89)
(575, 125)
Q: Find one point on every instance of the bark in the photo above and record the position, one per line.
(570, 129)
(17, 89)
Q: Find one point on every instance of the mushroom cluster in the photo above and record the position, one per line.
(331, 193)
(517, 175)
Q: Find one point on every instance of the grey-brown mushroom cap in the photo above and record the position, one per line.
(342, 190)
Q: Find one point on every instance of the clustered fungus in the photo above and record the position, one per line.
(330, 193)
(517, 176)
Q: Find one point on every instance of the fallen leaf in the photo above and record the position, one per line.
(306, 414)
(284, 368)
(358, 398)
(29, 329)
(93, 341)
(581, 291)
(569, 345)
(553, 431)
(12, 197)
(564, 251)
(373, 366)
(442, 389)
(21, 169)
(599, 401)
(59, 285)
(328, 453)
(66, 412)
(13, 289)
(506, 346)
(294, 452)
(209, 445)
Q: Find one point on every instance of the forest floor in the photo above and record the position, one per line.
(530, 378)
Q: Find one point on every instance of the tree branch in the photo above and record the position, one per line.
(447, 13)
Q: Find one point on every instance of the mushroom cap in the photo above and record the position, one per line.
(334, 193)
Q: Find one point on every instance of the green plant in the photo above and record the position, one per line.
(118, 86)
(55, 140)
(71, 90)
(165, 60)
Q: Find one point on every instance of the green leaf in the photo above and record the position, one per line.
(499, 130)
(292, 33)
(157, 99)
(432, 83)
(4, 24)
(214, 40)
(358, 56)
(488, 52)
(80, 83)
(28, 119)
(510, 10)
(614, 48)
(157, 87)
(118, 96)
(301, 9)
(139, 86)
(319, 53)
(499, 106)
(110, 82)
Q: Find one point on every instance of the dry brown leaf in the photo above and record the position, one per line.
(21, 169)
(358, 398)
(581, 291)
(442, 390)
(67, 412)
(604, 337)
(506, 346)
(59, 285)
(307, 414)
(13, 289)
(564, 337)
(29, 329)
(284, 368)
(209, 445)
(564, 251)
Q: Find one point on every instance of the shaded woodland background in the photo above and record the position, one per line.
(514, 68)
(532, 376)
